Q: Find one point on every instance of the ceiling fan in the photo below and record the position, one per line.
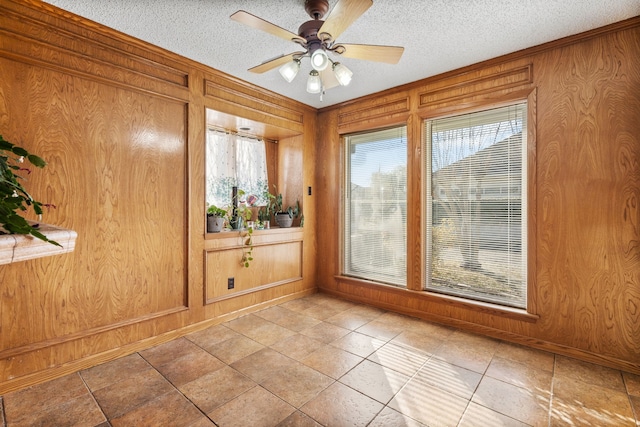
(318, 38)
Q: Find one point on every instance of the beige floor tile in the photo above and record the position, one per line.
(299, 419)
(367, 311)
(217, 388)
(376, 381)
(632, 382)
(81, 411)
(578, 403)
(39, 397)
(287, 318)
(359, 344)
(297, 346)
(321, 312)
(256, 408)
(348, 320)
(379, 329)
(402, 359)
(297, 384)
(190, 367)
(418, 341)
(124, 396)
(479, 416)
(259, 329)
(468, 351)
(299, 305)
(635, 404)
(262, 364)
(339, 405)
(331, 301)
(164, 353)
(515, 402)
(428, 404)
(111, 372)
(325, 332)
(590, 373)
(521, 375)
(210, 337)
(235, 349)
(454, 379)
(170, 409)
(392, 418)
(531, 357)
(332, 361)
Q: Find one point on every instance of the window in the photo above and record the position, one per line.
(476, 229)
(376, 206)
(234, 160)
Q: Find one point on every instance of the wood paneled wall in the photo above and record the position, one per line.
(122, 125)
(584, 192)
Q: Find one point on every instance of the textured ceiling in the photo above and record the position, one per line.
(438, 35)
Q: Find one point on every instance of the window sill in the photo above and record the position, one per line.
(20, 247)
(477, 306)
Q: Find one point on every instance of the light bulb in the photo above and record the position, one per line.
(342, 73)
(319, 60)
(314, 84)
(289, 70)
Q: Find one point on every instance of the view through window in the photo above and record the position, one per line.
(476, 204)
(375, 231)
(235, 161)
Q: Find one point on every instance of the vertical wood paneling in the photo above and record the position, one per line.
(115, 191)
(122, 125)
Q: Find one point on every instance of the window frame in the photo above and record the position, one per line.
(530, 313)
(346, 177)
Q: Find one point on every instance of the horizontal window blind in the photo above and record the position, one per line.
(477, 200)
(376, 206)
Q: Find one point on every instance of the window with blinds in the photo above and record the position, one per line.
(476, 205)
(375, 214)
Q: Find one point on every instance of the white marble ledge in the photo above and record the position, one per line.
(20, 247)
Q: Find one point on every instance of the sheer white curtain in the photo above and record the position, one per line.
(234, 160)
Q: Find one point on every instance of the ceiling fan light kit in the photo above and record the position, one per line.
(318, 37)
(342, 73)
(314, 84)
(319, 60)
(289, 71)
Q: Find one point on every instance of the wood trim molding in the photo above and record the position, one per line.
(238, 95)
(421, 295)
(476, 85)
(384, 107)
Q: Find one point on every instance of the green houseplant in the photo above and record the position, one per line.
(215, 219)
(285, 215)
(13, 197)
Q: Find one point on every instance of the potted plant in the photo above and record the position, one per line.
(215, 219)
(13, 196)
(284, 216)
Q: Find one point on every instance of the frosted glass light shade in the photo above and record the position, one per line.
(342, 73)
(319, 60)
(289, 70)
(314, 84)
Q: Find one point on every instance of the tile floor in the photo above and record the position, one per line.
(322, 361)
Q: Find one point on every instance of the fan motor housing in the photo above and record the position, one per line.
(316, 8)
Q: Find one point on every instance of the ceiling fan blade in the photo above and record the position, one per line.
(328, 79)
(254, 22)
(343, 14)
(275, 62)
(370, 52)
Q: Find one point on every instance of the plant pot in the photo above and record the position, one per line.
(214, 224)
(284, 220)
